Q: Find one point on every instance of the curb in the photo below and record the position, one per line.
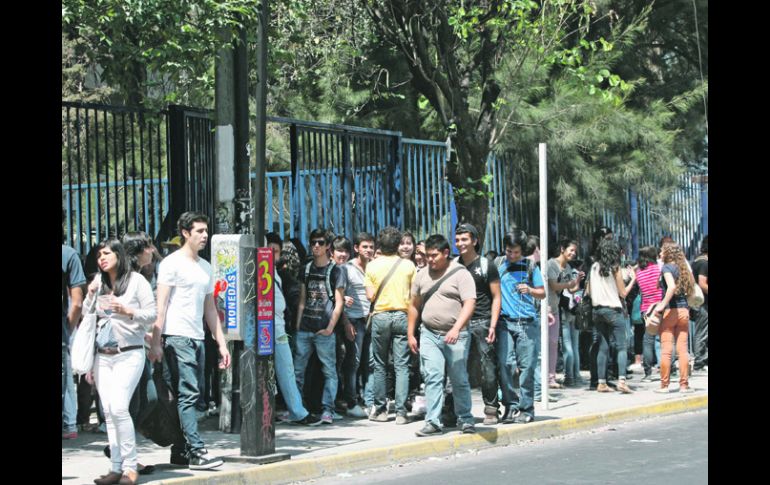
(310, 468)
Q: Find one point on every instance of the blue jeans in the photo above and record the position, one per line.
(326, 348)
(64, 354)
(284, 372)
(609, 327)
(648, 353)
(389, 329)
(517, 345)
(180, 370)
(352, 361)
(369, 387)
(435, 356)
(70, 409)
(571, 341)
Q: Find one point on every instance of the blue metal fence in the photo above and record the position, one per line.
(344, 178)
(429, 197)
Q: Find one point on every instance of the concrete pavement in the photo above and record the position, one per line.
(353, 444)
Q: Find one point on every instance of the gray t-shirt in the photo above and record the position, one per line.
(356, 290)
(558, 275)
(441, 311)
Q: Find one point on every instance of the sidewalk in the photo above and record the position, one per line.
(352, 444)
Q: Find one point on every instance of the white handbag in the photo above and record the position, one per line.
(83, 350)
(695, 299)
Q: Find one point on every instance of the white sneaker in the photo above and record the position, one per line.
(635, 367)
(327, 417)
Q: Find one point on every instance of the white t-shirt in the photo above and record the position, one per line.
(280, 307)
(190, 282)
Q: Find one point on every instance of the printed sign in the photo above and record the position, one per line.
(226, 281)
(265, 301)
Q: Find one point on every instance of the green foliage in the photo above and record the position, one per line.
(155, 51)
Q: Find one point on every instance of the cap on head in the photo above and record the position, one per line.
(174, 242)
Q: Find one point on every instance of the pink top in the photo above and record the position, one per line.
(647, 279)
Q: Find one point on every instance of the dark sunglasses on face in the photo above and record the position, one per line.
(318, 242)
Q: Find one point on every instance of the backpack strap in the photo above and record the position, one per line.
(307, 272)
(329, 289)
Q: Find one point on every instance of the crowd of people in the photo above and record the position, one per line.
(385, 325)
(391, 320)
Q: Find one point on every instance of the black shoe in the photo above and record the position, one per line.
(449, 420)
(509, 415)
(309, 420)
(428, 430)
(179, 459)
(523, 418)
(202, 460)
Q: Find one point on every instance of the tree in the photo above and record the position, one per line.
(154, 51)
(469, 59)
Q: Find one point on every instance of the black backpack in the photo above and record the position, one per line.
(154, 408)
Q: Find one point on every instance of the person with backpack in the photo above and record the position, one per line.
(485, 315)
(518, 331)
(321, 300)
(443, 300)
(561, 278)
(387, 280)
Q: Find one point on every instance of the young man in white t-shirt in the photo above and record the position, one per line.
(185, 298)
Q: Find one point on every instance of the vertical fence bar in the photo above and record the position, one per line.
(107, 174)
(69, 180)
(98, 182)
(281, 213)
(88, 183)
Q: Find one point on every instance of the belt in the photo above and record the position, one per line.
(520, 320)
(613, 308)
(118, 350)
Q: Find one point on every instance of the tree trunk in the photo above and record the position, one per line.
(474, 211)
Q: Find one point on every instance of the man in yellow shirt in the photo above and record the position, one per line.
(389, 321)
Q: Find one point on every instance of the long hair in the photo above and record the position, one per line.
(608, 257)
(672, 253)
(135, 243)
(123, 268)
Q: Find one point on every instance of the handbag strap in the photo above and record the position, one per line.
(382, 285)
(436, 286)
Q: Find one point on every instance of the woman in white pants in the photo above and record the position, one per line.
(126, 309)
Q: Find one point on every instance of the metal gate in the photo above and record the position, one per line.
(131, 169)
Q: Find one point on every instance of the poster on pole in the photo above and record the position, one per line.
(265, 301)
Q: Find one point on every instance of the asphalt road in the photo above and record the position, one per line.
(668, 450)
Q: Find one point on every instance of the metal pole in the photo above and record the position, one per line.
(543, 261)
(260, 398)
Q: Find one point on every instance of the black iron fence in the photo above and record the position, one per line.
(130, 169)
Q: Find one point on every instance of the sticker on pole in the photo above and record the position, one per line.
(265, 301)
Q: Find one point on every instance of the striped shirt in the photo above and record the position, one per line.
(647, 279)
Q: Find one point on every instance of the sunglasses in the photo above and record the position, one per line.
(318, 242)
